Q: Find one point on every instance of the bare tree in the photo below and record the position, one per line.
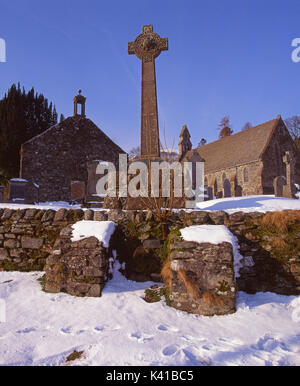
(224, 127)
(247, 126)
(293, 125)
(134, 152)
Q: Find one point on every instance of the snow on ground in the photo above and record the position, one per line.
(249, 204)
(120, 328)
(102, 230)
(215, 234)
(230, 205)
(56, 205)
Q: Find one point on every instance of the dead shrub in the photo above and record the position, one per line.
(212, 299)
(280, 221)
(166, 274)
(74, 355)
(279, 243)
(191, 287)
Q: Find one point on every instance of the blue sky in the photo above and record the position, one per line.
(225, 57)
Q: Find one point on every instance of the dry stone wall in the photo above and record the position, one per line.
(271, 255)
(202, 277)
(78, 268)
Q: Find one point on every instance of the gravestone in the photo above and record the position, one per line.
(78, 191)
(226, 188)
(16, 192)
(209, 193)
(21, 191)
(278, 184)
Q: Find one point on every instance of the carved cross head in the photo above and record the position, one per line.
(148, 45)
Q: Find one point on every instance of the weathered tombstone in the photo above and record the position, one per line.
(278, 184)
(31, 193)
(209, 193)
(92, 197)
(21, 191)
(78, 191)
(16, 192)
(2, 193)
(226, 188)
(238, 191)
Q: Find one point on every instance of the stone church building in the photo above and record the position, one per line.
(61, 154)
(246, 163)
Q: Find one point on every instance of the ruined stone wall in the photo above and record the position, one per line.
(201, 277)
(60, 155)
(78, 268)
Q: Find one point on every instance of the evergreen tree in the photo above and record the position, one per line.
(22, 116)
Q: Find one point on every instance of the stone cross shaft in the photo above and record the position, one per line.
(148, 46)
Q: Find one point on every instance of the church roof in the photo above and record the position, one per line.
(243, 147)
(74, 131)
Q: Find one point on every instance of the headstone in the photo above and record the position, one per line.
(78, 191)
(209, 193)
(31, 193)
(16, 193)
(278, 184)
(226, 188)
(21, 191)
(92, 198)
(148, 46)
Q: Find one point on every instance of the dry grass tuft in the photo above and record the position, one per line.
(211, 299)
(279, 243)
(280, 221)
(74, 355)
(166, 274)
(191, 287)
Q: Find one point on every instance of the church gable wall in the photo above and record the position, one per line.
(60, 155)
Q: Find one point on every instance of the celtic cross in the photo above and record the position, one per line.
(147, 47)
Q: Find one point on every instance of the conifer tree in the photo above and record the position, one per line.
(22, 116)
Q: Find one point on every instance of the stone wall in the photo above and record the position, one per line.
(202, 277)
(269, 243)
(78, 268)
(27, 236)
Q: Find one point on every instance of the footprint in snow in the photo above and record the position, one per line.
(269, 344)
(26, 330)
(66, 330)
(105, 327)
(164, 327)
(141, 338)
(170, 350)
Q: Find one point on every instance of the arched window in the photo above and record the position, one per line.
(246, 177)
